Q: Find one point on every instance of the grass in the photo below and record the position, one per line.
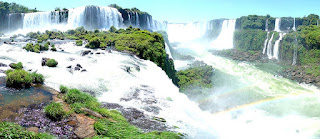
(12, 131)
(55, 111)
(116, 126)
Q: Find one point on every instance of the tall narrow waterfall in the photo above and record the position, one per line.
(266, 43)
(294, 24)
(295, 51)
(267, 26)
(225, 39)
(276, 47)
(269, 47)
(137, 19)
(277, 25)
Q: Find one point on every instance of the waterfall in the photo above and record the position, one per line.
(276, 47)
(225, 39)
(168, 50)
(129, 18)
(294, 24)
(295, 51)
(186, 32)
(267, 26)
(317, 23)
(269, 47)
(137, 20)
(266, 43)
(277, 25)
(41, 21)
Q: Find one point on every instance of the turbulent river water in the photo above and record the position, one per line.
(247, 101)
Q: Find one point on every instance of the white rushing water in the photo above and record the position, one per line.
(254, 103)
(276, 46)
(294, 24)
(277, 25)
(117, 78)
(225, 39)
(266, 43)
(295, 51)
(41, 21)
(269, 47)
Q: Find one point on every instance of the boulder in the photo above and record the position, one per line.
(44, 61)
(3, 65)
(33, 129)
(84, 53)
(78, 65)
(77, 68)
(84, 127)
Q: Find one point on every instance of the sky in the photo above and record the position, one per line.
(184, 11)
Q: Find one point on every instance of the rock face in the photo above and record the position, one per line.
(84, 127)
(138, 118)
(301, 76)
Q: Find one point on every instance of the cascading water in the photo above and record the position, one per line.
(117, 78)
(294, 24)
(277, 25)
(267, 26)
(269, 47)
(276, 46)
(225, 39)
(41, 21)
(266, 43)
(137, 20)
(295, 51)
(168, 50)
(250, 102)
(90, 17)
(95, 17)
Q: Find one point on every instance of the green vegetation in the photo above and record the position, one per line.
(18, 78)
(55, 111)
(12, 131)
(79, 42)
(52, 63)
(144, 44)
(37, 78)
(16, 65)
(63, 89)
(6, 8)
(115, 126)
(21, 79)
(200, 76)
(255, 22)
(249, 39)
(37, 48)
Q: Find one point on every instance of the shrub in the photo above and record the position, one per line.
(63, 89)
(45, 47)
(52, 63)
(53, 48)
(37, 78)
(18, 79)
(54, 111)
(79, 42)
(76, 96)
(94, 43)
(16, 66)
